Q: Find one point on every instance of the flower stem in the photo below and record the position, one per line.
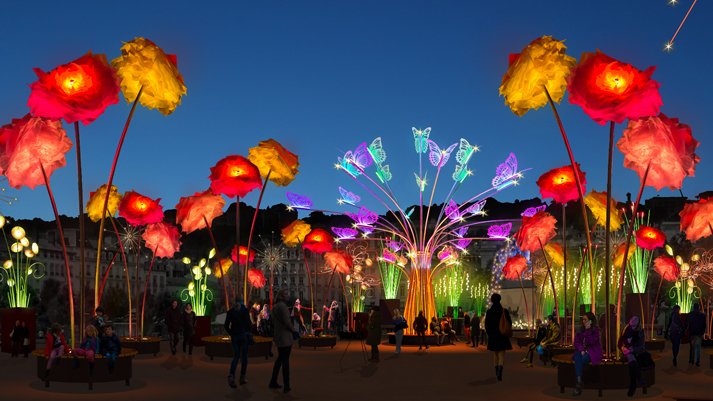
(126, 271)
(607, 225)
(552, 281)
(82, 267)
(146, 286)
(237, 246)
(250, 237)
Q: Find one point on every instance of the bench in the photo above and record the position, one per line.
(317, 341)
(220, 346)
(65, 372)
(605, 376)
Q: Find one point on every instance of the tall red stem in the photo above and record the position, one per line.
(146, 287)
(527, 309)
(250, 235)
(237, 247)
(105, 276)
(564, 266)
(552, 280)
(607, 225)
(576, 291)
(82, 267)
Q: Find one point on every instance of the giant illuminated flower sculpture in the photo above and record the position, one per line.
(318, 241)
(514, 267)
(535, 231)
(77, 91)
(194, 212)
(650, 238)
(664, 144)
(597, 204)
(667, 267)
(697, 219)
(560, 184)
(618, 254)
(28, 143)
(144, 67)
(273, 159)
(542, 64)
(609, 90)
(555, 252)
(222, 267)
(256, 278)
(339, 260)
(162, 238)
(234, 176)
(96, 202)
(243, 252)
(295, 233)
(139, 210)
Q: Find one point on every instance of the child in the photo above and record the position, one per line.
(88, 348)
(110, 346)
(55, 348)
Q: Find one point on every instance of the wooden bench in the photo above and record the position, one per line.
(605, 376)
(220, 346)
(65, 371)
(319, 341)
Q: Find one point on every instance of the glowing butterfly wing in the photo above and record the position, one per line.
(366, 229)
(299, 201)
(361, 156)
(462, 244)
(394, 245)
(476, 208)
(345, 233)
(434, 153)
(348, 197)
(345, 163)
(461, 173)
(499, 231)
(388, 256)
(377, 152)
(465, 151)
(383, 173)
(447, 154)
(409, 212)
(367, 217)
(531, 211)
(420, 138)
(421, 182)
(506, 172)
(452, 210)
(460, 232)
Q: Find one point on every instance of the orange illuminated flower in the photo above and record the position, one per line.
(192, 212)
(29, 142)
(514, 267)
(318, 241)
(139, 210)
(271, 157)
(618, 254)
(650, 238)
(142, 64)
(256, 278)
(543, 63)
(609, 90)
(295, 233)
(234, 176)
(339, 260)
(163, 238)
(243, 255)
(96, 203)
(597, 204)
(560, 184)
(667, 267)
(664, 143)
(535, 230)
(222, 267)
(555, 253)
(78, 91)
(697, 219)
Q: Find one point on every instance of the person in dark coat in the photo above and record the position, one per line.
(189, 328)
(696, 326)
(675, 332)
(497, 342)
(420, 325)
(110, 346)
(466, 328)
(237, 324)
(632, 345)
(174, 324)
(284, 337)
(16, 336)
(475, 330)
(373, 336)
(539, 336)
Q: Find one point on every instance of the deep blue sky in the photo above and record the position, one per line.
(324, 76)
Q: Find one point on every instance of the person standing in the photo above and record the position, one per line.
(696, 325)
(497, 341)
(16, 336)
(237, 324)
(373, 336)
(174, 324)
(587, 348)
(420, 325)
(189, 328)
(475, 330)
(675, 332)
(399, 326)
(284, 336)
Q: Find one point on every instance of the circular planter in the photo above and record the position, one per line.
(605, 376)
(314, 342)
(220, 346)
(143, 345)
(65, 372)
(655, 344)
(413, 340)
(202, 329)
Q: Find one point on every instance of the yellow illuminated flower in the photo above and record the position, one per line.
(555, 253)
(295, 233)
(270, 156)
(618, 255)
(221, 268)
(96, 202)
(543, 63)
(142, 64)
(597, 204)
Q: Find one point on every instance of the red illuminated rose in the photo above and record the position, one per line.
(667, 267)
(192, 212)
(560, 184)
(535, 230)
(339, 260)
(609, 90)
(28, 143)
(243, 255)
(650, 238)
(77, 91)
(234, 176)
(139, 210)
(318, 241)
(665, 144)
(697, 219)
(162, 238)
(514, 267)
(256, 278)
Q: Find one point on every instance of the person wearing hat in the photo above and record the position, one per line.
(632, 344)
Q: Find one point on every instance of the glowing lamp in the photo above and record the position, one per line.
(17, 232)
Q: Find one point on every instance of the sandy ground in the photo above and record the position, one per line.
(441, 373)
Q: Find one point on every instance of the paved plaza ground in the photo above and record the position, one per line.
(441, 373)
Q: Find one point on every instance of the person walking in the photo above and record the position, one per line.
(174, 324)
(373, 336)
(420, 325)
(675, 332)
(696, 326)
(587, 348)
(475, 330)
(189, 328)
(498, 342)
(237, 324)
(284, 336)
(399, 326)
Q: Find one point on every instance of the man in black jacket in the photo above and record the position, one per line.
(237, 324)
(696, 328)
(174, 323)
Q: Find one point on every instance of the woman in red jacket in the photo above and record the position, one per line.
(56, 346)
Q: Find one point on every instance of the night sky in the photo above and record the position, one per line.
(323, 76)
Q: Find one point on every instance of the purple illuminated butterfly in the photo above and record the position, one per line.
(499, 230)
(365, 217)
(394, 245)
(349, 198)
(366, 229)
(460, 232)
(506, 172)
(476, 208)
(452, 211)
(439, 157)
(299, 201)
(462, 244)
(531, 211)
(388, 256)
(345, 233)
(354, 162)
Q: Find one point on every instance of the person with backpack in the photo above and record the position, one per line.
(498, 326)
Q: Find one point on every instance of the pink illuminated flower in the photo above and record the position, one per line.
(560, 184)
(535, 230)
(514, 267)
(697, 219)
(650, 238)
(244, 258)
(667, 267)
(256, 278)
(163, 239)
(339, 260)
(192, 212)
(29, 142)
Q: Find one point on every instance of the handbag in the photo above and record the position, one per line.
(505, 326)
(26, 342)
